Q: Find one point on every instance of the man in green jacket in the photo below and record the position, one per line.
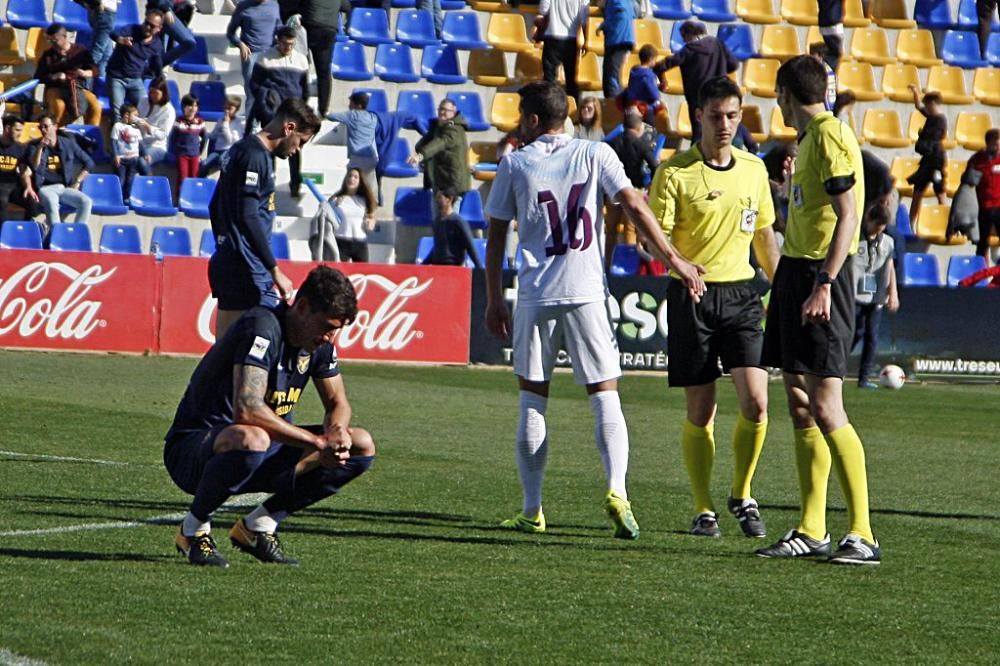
(444, 151)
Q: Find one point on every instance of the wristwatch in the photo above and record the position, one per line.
(823, 278)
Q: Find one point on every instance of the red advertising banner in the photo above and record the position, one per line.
(78, 301)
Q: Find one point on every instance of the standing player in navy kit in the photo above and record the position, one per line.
(233, 434)
(243, 272)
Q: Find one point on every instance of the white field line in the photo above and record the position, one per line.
(8, 658)
(40, 456)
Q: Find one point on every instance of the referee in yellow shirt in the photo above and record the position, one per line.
(811, 316)
(715, 202)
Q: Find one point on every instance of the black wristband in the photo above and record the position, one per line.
(823, 278)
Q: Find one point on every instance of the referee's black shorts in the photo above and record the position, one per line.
(814, 349)
(725, 324)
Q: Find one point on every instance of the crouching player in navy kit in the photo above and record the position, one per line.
(233, 433)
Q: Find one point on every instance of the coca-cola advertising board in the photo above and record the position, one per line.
(77, 301)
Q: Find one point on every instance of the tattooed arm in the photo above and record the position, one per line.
(250, 408)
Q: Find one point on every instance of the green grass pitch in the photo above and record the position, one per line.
(407, 565)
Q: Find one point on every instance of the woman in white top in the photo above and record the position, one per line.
(347, 216)
(156, 119)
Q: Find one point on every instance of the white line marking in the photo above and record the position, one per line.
(95, 461)
(8, 658)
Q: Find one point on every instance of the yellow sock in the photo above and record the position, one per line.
(698, 445)
(812, 458)
(748, 441)
(849, 461)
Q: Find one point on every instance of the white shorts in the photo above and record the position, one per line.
(585, 330)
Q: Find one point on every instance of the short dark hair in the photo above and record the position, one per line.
(189, 100)
(358, 99)
(449, 191)
(879, 214)
(547, 100)
(285, 32)
(330, 291)
(721, 87)
(692, 28)
(805, 78)
(933, 98)
(153, 11)
(296, 110)
(54, 28)
(127, 108)
(632, 118)
(991, 134)
(234, 100)
(11, 119)
(647, 53)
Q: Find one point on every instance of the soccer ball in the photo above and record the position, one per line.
(892, 376)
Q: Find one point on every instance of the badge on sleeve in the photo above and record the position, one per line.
(252, 178)
(259, 348)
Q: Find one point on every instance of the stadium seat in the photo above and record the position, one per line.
(854, 15)
(424, 247)
(993, 50)
(920, 270)
(779, 131)
(676, 42)
(195, 195)
(757, 11)
(961, 49)
(206, 246)
(971, 128)
(415, 27)
(21, 235)
(171, 241)
(349, 63)
(211, 99)
(673, 82)
(70, 238)
(950, 82)
(933, 14)
(106, 191)
(780, 42)
(892, 15)
(961, 266)
(671, 10)
(24, 14)
(901, 169)
(896, 80)
(482, 159)
(10, 48)
(800, 12)
(647, 31)
(967, 19)
(488, 67)
(440, 64)
(716, 11)
(683, 125)
(953, 170)
(625, 260)
(507, 32)
(397, 166)
(903, 223)
(916, 122)
(588, 72)
(754, 123)
(882, 128)
(35, 44)
(738, 38)
(611, 115)
(933, 223)
(470, 105)
(71, 14)
(528, 66)
(418, 103)
(986, 85)
(593, 39)
(377, 99)
(394, 62)
(859, 78)
(280, 247)
(120, 239)
(872, 46)
(504, 113)
(760, 75)
(370, 26)
(196, 60)
(471, 209)
(414, 206)
(151, 196)
(128, 14)
(461, 30)
(916, 47)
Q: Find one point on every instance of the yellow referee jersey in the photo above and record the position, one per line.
(828, 149)
(711, 213)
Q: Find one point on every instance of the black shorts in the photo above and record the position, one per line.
(725, 325)
(236, 288)
(814, 349)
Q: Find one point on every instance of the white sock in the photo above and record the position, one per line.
(611, 434)
(259, 520)
(192, 526)
(532, 450)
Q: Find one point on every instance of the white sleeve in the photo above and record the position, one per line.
(502, 202)
(611, 173)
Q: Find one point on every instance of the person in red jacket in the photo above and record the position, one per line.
(987, 162)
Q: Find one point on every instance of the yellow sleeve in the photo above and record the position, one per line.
(766, 216)
(661, 199)
(834, 147)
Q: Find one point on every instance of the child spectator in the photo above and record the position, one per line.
(875, 288)
(930, 147)
(187, 139)
(589, 127)
(452, 235)
(226, 132)
(129, 154)
(636, 155)
(643, 91)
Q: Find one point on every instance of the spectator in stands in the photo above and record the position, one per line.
(636, 155)
(187, 139)
(128, 152)
(703, 57)
(963, 215)
(12, 155)
(340, 227)
(319, 18)
(563, 19)
(589, 125)
(452, 235)
(257, 22)
(101, 15)
(66, 70)
(226, 132)
(743, 139)
(175, 31)
(987, 162)
(875, 288)
(930, 147)
(985, 11)
(434, 7)
(619, 39)
(361, 124)
(56, 167)
(821, 52)
(281, 73)
(831, 27)
(156, 119)
(643, 91)
(444, 151)
(137, 50)
(511, 141)
(387, 127)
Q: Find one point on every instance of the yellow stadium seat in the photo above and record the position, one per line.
(882, 128)
(488, 67)
(780, 41)
(896, 79)
(528, 66)
(779, 130)
(674, 84)
(571, 108)
(759, 75)
(482, 151)
(757, 11)
(29, 133)
(647, 31)
(507, 33)
(854, 15)
(932, 224)
(754, 123)
(594, 41)
(667, 153)
(35, 45)
(859, 78)
(611, 115)
(588, 72)
(484, 6)
(986, 85)
(683, 122)
(916, 47)
(800, 12)
(913, 130)
(971, 128)
(902, 168)
(892, 15)
(631, 60)
(950, 82)
(953, 171)
(10, 49)
(504, 113)
(871, 45)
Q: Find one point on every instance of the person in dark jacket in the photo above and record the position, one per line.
(636, 155)
(319, 18)
(257, 21)
(137, 49)
(56, 167)
(930, 147)
(174, 29)
(66, 69)
(452, 235)
(445, 152)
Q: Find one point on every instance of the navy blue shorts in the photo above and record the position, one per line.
(237, 288)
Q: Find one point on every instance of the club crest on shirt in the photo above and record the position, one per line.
(302, 365)
(252, 178)
(259, 347)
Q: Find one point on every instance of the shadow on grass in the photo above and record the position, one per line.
(80, 556)
(894, 512)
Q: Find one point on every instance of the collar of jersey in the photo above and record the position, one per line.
(818, 119)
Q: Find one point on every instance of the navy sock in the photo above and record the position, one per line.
(222, 476)
(317, 485)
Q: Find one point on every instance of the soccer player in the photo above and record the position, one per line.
(714, 202)
(554, 187)
(810, 317)
(233, 433)
(243, 272)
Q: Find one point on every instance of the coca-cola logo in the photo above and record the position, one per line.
(70, 316)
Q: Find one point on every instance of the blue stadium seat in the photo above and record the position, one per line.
(424, 247)
(471, 209)
(993, 49)
(93, 133)
(120, 239)
(414, 206)
(967, 19)
(397, 166)
(480, 245)
(903, 223)
(151, 196)
(349, 63)
(101, 92)
(419, 103)
(440, 65)
(471, 106)
(211, 99)
(676, 41)
(370, 26)
(71, 14)
(671, 10)
(738, 37)
(961, 266)
(920, 270)
(280, 247)
(206, 247)
(453, 5)
(21, 235)
(716, 11)
(106, 191)
(172, 241)
(404, 4)
(415, 27)
(377, 100)
(933, 14)
(394, 62)
(175, 95)
(26, 14)
(625, 260)
(128, 14)
(196, 60)
(961, 49)
(461, 30)
(70, 238)
(195, 195)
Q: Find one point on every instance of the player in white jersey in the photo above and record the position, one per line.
(555, 187)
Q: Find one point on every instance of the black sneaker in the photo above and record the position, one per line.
(265, 546)
(748, 515)
(794, 544)
(706, 524)
(852, 549)
(200, 550)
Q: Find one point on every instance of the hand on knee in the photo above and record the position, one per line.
(362, 443)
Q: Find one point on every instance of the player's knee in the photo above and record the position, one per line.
(243, 438)
(362, 443)
(828, 417)
(755, 408)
